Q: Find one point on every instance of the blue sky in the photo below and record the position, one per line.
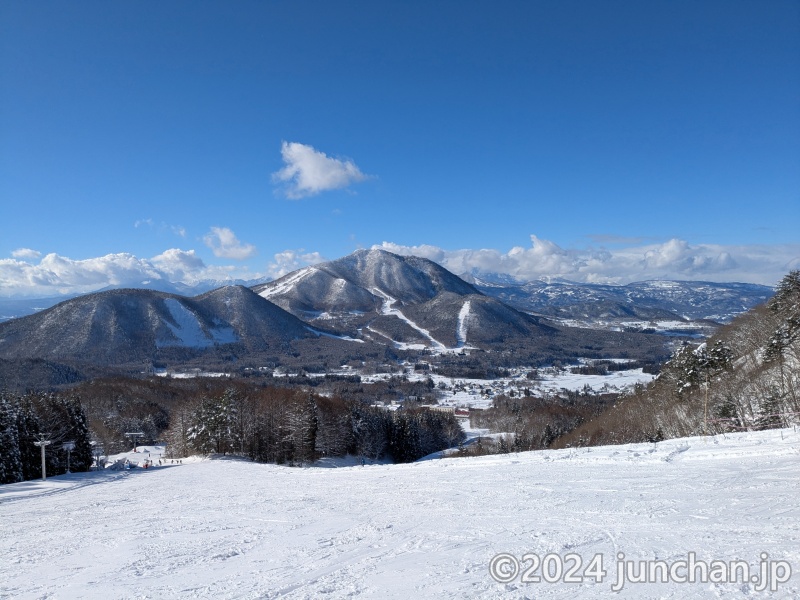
(594, 141)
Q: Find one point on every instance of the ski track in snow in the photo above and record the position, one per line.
(387, 308)
(235, 529)
(330, 335)
(288, 284)
(461, 330)
(189, 332)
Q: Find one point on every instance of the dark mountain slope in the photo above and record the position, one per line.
(133, 326)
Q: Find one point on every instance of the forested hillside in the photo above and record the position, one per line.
(746, 377)
(286, 426)
(57, 421)
(265, 423)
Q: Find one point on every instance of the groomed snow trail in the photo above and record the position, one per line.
(317, 332)
(288, 284)
(189, 332)
(234, 529)
(461, 329)
(387, 308)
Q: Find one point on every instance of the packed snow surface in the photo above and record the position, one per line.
(346, 338)
(235, 529)
(287, 284)
(189, 332)
(387, 308)
(461, 332)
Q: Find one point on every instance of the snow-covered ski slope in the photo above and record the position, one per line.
(234, 529)
(388, 308)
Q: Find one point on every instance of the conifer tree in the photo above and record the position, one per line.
(10, 460)
(77, 430)
(301, 429)
(783, 343)
(28, 429)
(214, 424)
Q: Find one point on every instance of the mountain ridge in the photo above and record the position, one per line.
(130, 326)
(654, 299)
(403, 299)
(368, 305)
(551, 297)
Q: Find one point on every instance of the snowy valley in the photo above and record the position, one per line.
(376, 359)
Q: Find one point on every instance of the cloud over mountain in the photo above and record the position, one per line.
(55, 274)
(224, 244)
(673, 259)
(291, 260)
(26, 254)
(29, 273)
(308, 171)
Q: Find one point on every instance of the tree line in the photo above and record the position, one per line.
(282, 425)
(31, 418)
(532, 423)
(295, 427)
(745, 377)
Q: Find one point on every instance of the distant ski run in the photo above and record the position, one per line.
(286, 285)
(189, 332)
(317, 332)
(461, 329)
(388, 309)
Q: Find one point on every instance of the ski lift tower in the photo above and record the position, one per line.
(135, 436)
(42, 443)
(69, 447)
(97, 451)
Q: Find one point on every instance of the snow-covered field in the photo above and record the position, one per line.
(688, 328)
(480, 393)
(234, 529)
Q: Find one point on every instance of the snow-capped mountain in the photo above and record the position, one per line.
(400, 300)
(15, 307)
(127, 326)
(647, 300)
(362, 281)
(557, 298)
(352, 307)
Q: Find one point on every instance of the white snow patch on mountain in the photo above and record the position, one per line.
(235, 529)
(387, 308)
(189, 332)
(461, 330)
(336, 337)
(286, 284)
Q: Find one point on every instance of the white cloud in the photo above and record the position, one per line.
(308, 171)
(178, 265)
(54, 274)
(224, 244)
(27, 275)
(673, 259)
(161, 227)
(291, 260)
(26, 254)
